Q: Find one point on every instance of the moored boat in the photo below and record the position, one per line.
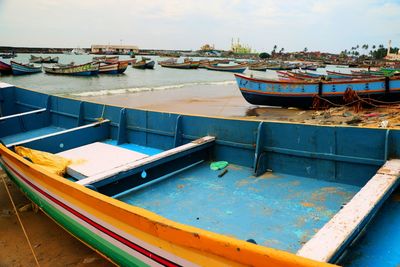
(143, 64)
(129, 184)
(301, 93)
(22, 69)
(88, 69)
(113, 68)
(239, 68)
(5, 68)
(176, 65)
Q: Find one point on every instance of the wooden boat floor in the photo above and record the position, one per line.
(137, 148)
(380, 244)
(31, 134)
(276, 210)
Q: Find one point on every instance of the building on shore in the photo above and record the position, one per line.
(392, 56)
(114, 49)
(238, 48)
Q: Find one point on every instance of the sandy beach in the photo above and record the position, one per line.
(52, 245)
(226, 101)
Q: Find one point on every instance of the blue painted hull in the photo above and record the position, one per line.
(301, 94)
(21, 69)
(315, 170)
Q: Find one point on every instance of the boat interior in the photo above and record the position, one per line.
(287, 186)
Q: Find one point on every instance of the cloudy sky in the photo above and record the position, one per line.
(325, 25)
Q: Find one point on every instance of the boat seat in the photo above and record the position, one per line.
(97, 158)
(133, 164)
(22, 114)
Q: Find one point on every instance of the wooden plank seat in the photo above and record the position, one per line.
(158, 158)
(67, 139)
(331, 240)
(22, 114)
(97, 158)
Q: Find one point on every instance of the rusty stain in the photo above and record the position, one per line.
(180, 186)
(242, 182)
(234, 167)
(307, 204)
(269, 175)
(384, 170)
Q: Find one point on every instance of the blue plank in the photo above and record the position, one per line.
(30, 134)
(137, 148)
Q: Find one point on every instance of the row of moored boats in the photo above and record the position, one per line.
(99, 65)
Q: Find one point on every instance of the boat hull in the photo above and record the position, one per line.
(89, 69)
(233, 69)
(302, 93)
(5, 68)
(22, 69)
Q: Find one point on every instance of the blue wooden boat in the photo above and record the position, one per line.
(138, 187)
(239, 68)
(87, 69)
(113, 68)
(301, 93)
(22, 69)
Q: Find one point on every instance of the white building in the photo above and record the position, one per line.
(114, 49)
(392, 56)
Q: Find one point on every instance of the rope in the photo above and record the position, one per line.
(20, 222)
(102, 113)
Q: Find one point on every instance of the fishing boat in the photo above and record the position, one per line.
(88, 69)
(163, 189)
(5, 68)
(258, 66)
(259, 91)
(113, 68)
(239, 68)
(35, 59)
(7, 55)
(22, 69)
(176, 65)
(143, 64)
(105, 59)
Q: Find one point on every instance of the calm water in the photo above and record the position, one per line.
(133, 80)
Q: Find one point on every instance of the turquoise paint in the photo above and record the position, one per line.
(276, 210)
(137, 148)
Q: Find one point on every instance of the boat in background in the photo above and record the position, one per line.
(35, 59)
(239, 68)
(176, 65)
(301, 93)
(88, 69)
(22, 69)
(143, 64)
(258, 66)
(113, 68)
(8, 55)
(5, 68)
(106, 59)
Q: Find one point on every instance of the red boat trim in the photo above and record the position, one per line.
(130, 244)
(304, 94)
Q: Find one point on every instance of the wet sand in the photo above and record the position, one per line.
(53, 246)
(205, 100)
(227, 101)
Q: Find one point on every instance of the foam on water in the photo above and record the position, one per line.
(146, 89)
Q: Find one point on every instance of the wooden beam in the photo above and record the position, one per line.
(22, 114)
(139, 163)
(331, 240)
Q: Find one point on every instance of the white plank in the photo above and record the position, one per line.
(96, 158)
(57, 133)
(141, 162)
(330, 238)
(22, 114)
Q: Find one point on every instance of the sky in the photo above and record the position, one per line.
(318, 25)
